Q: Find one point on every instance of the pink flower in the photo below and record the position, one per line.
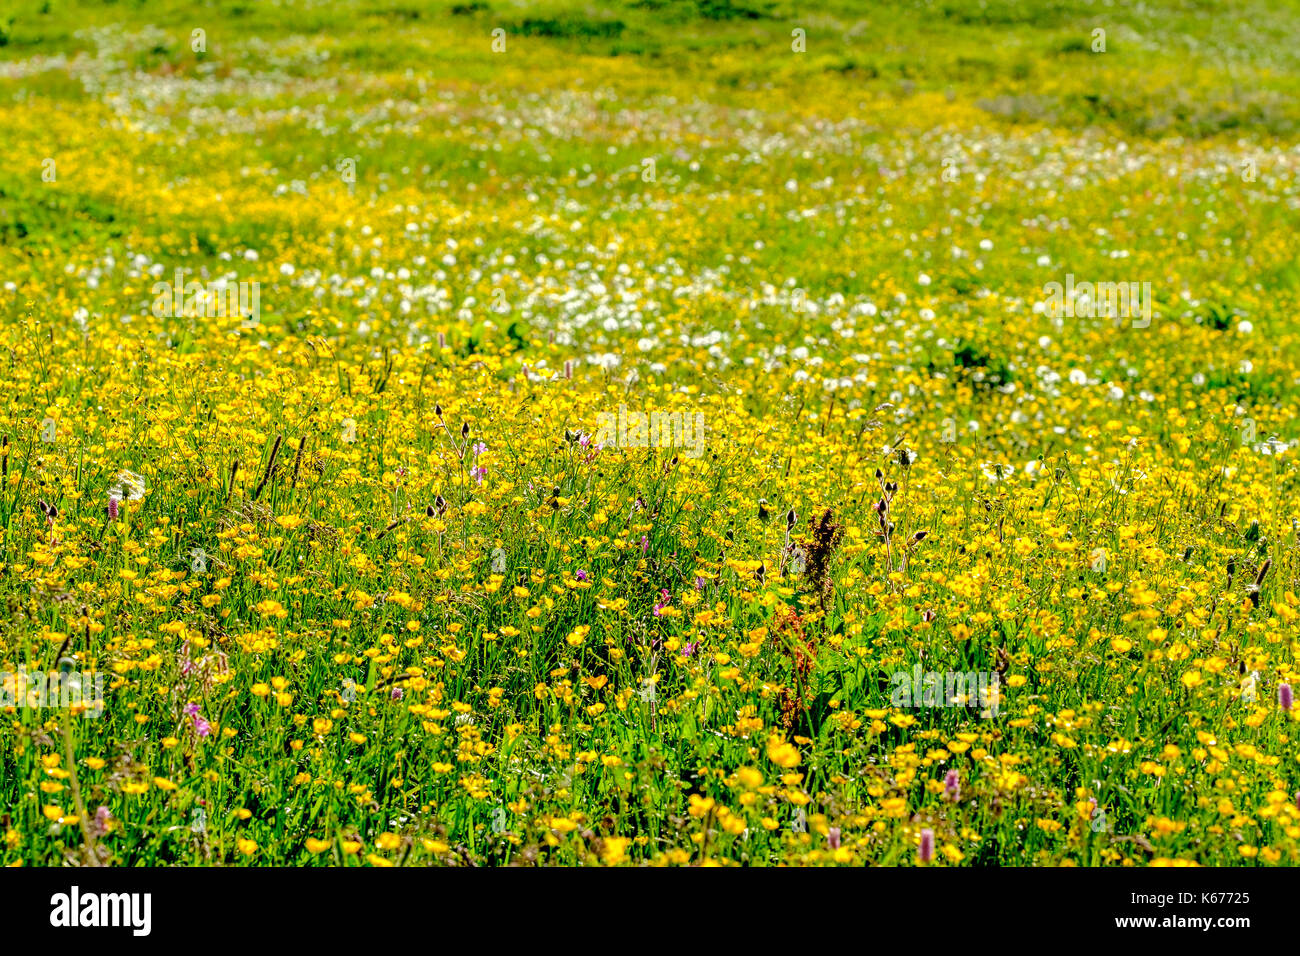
(925, 852)
(833, 838)
(664, 600)
(580, 575)
(201, 726)
(1284, 696)
(952, 785)
(98, 824)
(112, 508)
(645, 544)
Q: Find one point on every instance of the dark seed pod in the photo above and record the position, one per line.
(1263, 571)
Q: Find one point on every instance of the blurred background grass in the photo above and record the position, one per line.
(1169, 67)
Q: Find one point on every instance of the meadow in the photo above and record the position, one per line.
(669, 432)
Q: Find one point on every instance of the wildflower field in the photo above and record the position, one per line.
(707, 432)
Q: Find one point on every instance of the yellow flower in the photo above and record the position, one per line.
(781, 753)
(749, 777)
(614, 851)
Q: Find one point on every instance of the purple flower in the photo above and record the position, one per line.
(1284, 696)
(833, 838)
(925, 852)
(479, 448)
(479, 472)
(689, 648)
(201, 726)
(396, 694)
(699, 584)
(580, 575)
(664, 600)
(952, 785)
(112, 508)
(645, 544)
